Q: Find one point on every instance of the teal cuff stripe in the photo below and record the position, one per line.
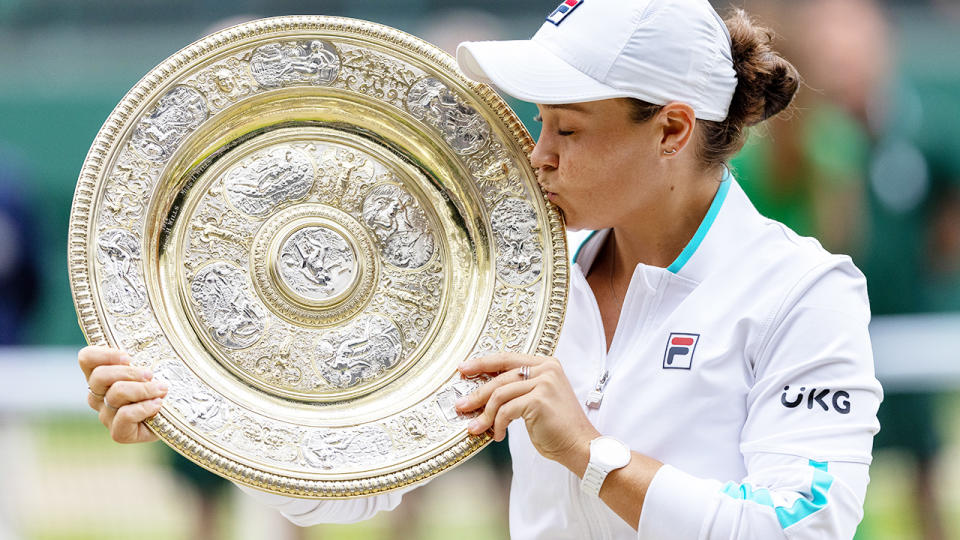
(579, 249)
(802, 507)
(704, 225)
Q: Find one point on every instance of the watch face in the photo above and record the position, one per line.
(609, 452)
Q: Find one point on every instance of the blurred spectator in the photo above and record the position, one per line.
(18, 279)
(849, 171)
(18, 264)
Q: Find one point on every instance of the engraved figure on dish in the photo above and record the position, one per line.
(401, 227)
(317, 263)
(258, 187)
(329, 449)
(447, 399)
(198, 406)
(519, 260)
(278, 364)
(179, 111)
(370, 347)
(461, 126)
(235, 321)
(119, 252)
(284, 64)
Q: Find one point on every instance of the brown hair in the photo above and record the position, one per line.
(766, 84)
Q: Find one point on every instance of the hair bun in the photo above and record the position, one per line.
(766, 82)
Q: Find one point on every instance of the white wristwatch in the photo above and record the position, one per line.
(606, 454)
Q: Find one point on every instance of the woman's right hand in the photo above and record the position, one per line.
(123, 394)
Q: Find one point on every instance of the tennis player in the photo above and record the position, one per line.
(714, 377)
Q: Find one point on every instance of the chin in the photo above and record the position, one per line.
(573, 224)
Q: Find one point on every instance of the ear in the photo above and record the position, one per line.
(676, 121)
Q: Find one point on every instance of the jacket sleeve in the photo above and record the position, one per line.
(808, 434)
(306, 512)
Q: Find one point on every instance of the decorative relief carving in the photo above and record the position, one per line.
(305, 312)
(499, 181)
(128, 190)
(265, 181)
(341, 449)
(447, 399)
(159, 133)
(378, 76)
(122, 289)
(317, 263)
(510, 321)
(277, 365)
(260, 437)
(192, 400)
(519, 250)
(345, 175)
(365, 349)
(141, 337)
(419, 428)
(224, 83)
(233, 319)
(217, 232)
(412, 299)
(313, 62)
(461, 125)
(400, 226)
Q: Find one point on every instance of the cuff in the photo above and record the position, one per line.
(286, 505)
(675, 505)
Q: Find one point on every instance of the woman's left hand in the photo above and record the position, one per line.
(556, 423)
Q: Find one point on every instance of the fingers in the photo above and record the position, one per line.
(128, 426)
(126, 405)
(106, 375)
(500, 362)
(479, 397)
(500, 397)
(91, 357)
(506, 414)
(122, 394)
(126, 392)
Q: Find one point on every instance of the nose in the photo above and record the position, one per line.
(544, 156)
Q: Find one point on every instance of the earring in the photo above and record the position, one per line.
(670, 152)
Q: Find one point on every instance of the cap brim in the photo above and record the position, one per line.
(528, 71)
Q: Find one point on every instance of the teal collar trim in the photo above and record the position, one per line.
(705, 225)
(576, 255)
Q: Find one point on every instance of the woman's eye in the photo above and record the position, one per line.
(564, 133)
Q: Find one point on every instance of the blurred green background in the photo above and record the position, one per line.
(868, 162)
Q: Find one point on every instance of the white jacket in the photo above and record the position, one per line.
(745, 367)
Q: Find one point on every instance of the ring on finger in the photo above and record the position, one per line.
(524, 372)
(109, 406)
(94, 394)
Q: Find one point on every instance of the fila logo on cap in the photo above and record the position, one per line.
(563, 10)
(679, 353)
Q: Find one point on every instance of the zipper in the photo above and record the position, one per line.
(596, 395)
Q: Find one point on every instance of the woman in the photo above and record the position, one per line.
(714, 376)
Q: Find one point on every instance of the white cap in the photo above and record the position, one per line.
(654, 50)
